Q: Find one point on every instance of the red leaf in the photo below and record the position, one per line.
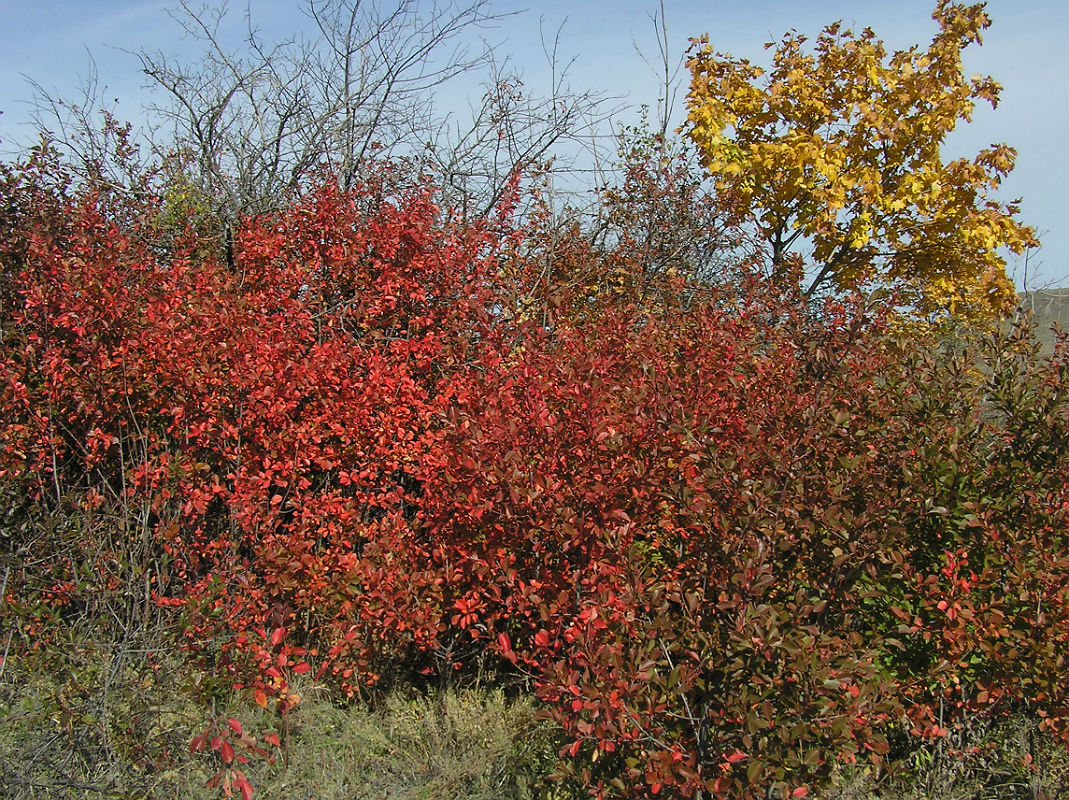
(801, 791)
(198, 742)
(235, 725)
(506, 647)
(277, 635)
(226, 752)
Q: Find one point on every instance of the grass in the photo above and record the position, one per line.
(100, 729)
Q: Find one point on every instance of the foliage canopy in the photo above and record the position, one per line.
(841, 147)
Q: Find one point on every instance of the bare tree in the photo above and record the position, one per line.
(98, 144)
(515, 128)
(666, 72)
(253, 122)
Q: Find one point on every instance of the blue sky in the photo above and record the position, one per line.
(58, 42)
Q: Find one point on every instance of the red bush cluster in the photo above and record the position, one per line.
(732, 540)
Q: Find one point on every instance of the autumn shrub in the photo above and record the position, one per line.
(731, 540)
(259, 423)
(635, 486)
(733, 555)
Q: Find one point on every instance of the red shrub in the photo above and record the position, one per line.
(731, 541)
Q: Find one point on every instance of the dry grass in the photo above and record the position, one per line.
(99, 731)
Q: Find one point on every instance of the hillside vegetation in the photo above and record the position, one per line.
(376, 491)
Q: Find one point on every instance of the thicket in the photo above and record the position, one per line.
(731, 540)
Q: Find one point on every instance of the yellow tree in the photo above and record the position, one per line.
(839, 148)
